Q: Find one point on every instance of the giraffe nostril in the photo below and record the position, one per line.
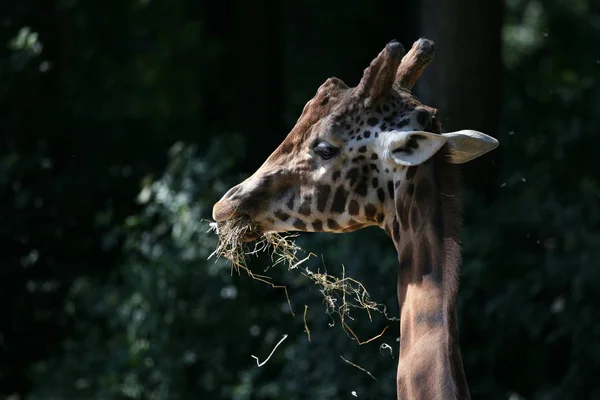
(232, 192)
(226, 208)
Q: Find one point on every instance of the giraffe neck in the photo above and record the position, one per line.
(430, 364)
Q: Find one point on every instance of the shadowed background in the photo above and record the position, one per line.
(122, 122)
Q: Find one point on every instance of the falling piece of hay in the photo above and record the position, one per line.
(260, 364)
(359, 367)
(305, 324)
(385, 346)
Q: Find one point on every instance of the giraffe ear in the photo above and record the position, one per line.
(410, 148)
(467, 145)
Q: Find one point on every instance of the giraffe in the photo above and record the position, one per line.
(373, 155)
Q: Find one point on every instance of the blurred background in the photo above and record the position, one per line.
(121, 123)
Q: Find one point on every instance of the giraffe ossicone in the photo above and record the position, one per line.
(374, 155)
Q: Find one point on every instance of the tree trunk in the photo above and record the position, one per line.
(464, 80)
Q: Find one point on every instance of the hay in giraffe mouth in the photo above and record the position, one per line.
(241, 237)
(240, 229)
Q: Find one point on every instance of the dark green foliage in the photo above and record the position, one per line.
(105, 284)
(529, 291)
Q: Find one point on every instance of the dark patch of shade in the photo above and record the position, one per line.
(425, 264)
(410, 172)
(414, 218)
(438, 221)
(405, 259)
(423, 191)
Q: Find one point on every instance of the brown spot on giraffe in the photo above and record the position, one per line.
(323, 192)
(374, 155)
(300, 225)
(370, 211)
(381, 194)
(353, 207)
(306, 207)
(317, 226)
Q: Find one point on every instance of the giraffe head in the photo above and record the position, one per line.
(337, 169)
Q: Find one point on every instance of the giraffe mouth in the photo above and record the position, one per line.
(240, 229)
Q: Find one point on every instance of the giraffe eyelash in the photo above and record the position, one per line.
(326, 150)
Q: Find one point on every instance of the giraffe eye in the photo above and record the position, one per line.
(325, 150)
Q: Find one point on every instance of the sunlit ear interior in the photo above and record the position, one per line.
(411, 148)
(467, 145)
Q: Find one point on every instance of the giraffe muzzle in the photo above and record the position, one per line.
(244, 199)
